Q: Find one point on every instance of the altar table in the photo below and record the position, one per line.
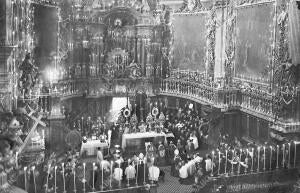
(134, 136)
(91, 146)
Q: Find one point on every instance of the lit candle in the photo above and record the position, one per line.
(63, 175)
(93, 176)
(271, 153)
(226, 152)
(25, 178)
(48, 172)
(127, 176)
(277, 158)
(120, 174)
(55, 168)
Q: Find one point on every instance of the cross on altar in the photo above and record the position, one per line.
(37, 121)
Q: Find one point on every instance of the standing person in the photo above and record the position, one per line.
(161, 154)
(208, 164)
(189, 149)
(99, 155)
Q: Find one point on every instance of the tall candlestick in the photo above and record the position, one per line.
(34, 182)
(264, 158)
(111, 168)
(219, 162)
(137, 172)
(271, 153)
(74, 172)
(93, 177)
(233, 152)
(25, 178)
(48, 172)
(258, 158)
(84, 180)
(226, 153)
(212, 163)
(63, 175)
(120, 174)
(289, 159)
(102, 171)
(55, 168)
(252, 157)
(295, 154)
(277, 158)
(283, 155)
(240, 159)
(145, 160)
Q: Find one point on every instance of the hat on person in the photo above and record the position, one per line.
(141, 155)
(176, 151)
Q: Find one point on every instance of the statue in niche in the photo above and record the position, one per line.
(134, 70)
(28, 75)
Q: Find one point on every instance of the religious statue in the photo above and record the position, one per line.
(29, 75)
(134, 70)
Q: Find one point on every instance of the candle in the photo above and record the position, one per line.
(295, 154)
(264, 158)
(102, 170)
(93, 176)
(289, 165)
(74, 177)
(25, 178)
(55, 168)
(283, 155)
(33, 171)
(120, 174)
(258, 152)
(252, 157)
(226, 160)
(219, 162)
(84, 180)
(63, 175)
(48, 172)
(145, 160)
(212, 163)
(137, 172)
(111, 168)
(271, 153)
(277, 158)
(233, 152)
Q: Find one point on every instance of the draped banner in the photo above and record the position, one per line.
(254, 37)
(189, 41)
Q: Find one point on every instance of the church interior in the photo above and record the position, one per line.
(139, 96)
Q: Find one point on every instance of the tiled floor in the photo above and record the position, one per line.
(172, 185)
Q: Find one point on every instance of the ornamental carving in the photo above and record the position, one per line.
(211, 42)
